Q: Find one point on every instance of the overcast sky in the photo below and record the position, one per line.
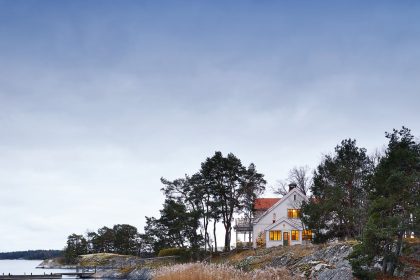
(99, 99)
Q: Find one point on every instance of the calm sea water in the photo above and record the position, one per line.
(24, 266)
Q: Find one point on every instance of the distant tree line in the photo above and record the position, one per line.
(31, 255)
(120, 239)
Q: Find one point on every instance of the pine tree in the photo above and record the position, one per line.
(394, 208)
(230, 184)
(339, 192)
(76, 246)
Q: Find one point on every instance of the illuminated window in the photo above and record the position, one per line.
(307, 234)
(293, 213)
(295, 235)
(275, 234)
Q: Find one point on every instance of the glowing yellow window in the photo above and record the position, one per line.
(307, 234)
(275, 235)
(293, 213)
(295, 235)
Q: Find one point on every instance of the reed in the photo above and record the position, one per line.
(198, 271)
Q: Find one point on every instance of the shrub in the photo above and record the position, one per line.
(184, 254)
(261, 240)
(172, 252)
(360, 263)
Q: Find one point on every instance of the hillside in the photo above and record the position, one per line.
(306, 261)
(295, 262)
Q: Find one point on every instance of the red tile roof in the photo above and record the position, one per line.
(264, 203)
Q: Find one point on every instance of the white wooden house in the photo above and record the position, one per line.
(277, 221)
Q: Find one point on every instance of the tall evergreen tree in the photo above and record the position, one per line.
(253, 186)
(155, 235)
(227, 178)
(176, 227)
(395, 203)
(76, 246)
(126, 239)
(202, 194)
(194, 195)
(339, 194)
(222, 187)
(106, 240)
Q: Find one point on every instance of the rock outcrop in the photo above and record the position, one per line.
(325, 264)
(140, 274)
(322, 262)
(55, 263)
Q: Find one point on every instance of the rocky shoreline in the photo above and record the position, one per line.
(113, 266)
(55, 264)
(321, 262)
(311, 262)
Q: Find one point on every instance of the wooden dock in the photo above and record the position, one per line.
(29, 276)
(78, 274)
(47, 276)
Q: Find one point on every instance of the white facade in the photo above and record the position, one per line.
(281, 225)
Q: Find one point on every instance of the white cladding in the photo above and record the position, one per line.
(276, 218)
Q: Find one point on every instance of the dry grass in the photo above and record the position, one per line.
(415, 240)
(240, 256)
(198, 271)
(107, 259)
(262, 257)
(97, 259)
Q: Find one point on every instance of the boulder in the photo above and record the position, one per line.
(343, 273)
(140, 274)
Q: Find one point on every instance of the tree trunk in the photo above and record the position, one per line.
(206, 235)
(391, 268)
(214, 235)
(397, 252)
(384, 265)
(206, 240)
(227, 236)
(206, 226)
(251, 232)
(399, 243)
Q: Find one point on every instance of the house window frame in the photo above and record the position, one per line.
(274, 235)
(294, 235)
(307, 234)
(293, 213)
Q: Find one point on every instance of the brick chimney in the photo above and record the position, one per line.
(292, 186)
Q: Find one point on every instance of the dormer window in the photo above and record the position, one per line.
(293, 213)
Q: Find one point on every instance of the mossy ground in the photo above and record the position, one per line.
(101, 259)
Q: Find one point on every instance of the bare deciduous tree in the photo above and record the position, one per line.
(281, 187)
(297, 175)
